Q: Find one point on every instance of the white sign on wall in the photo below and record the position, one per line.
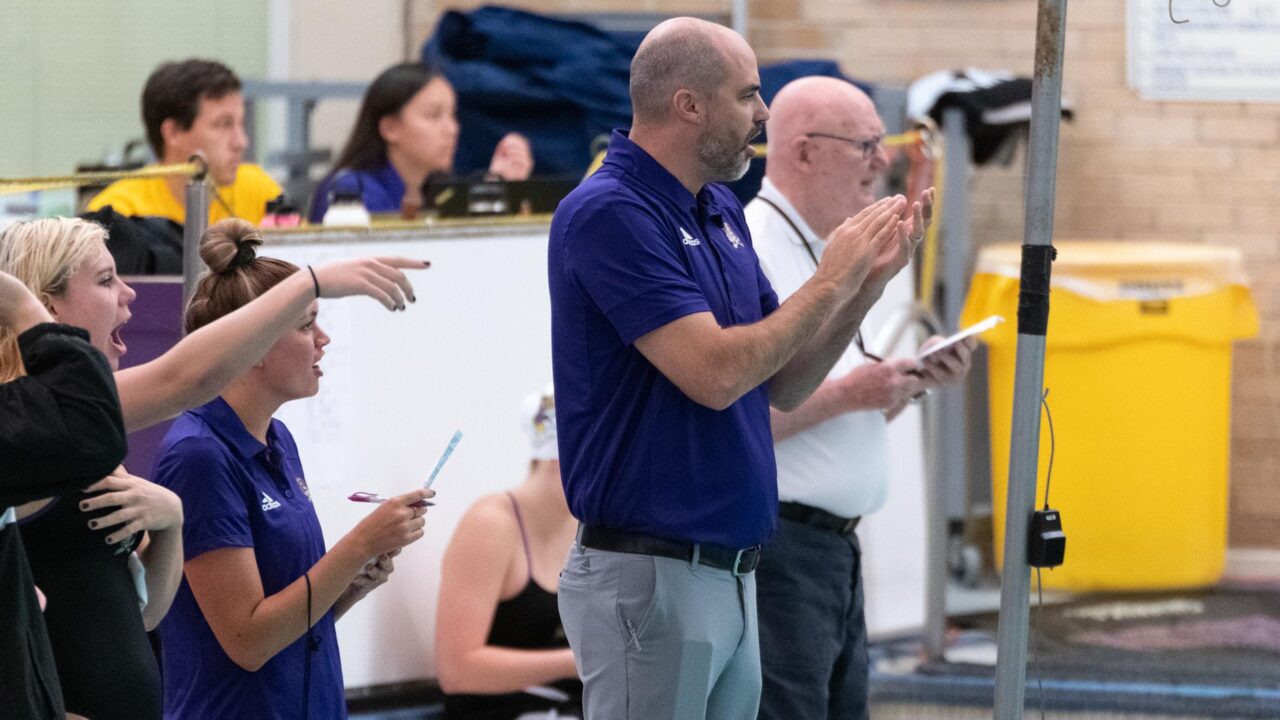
(1218, 50)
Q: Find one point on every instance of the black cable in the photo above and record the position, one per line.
(1035, 626)
(1049, 475)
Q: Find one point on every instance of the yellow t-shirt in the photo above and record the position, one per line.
(246, 198)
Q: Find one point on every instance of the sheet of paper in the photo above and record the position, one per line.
(975, 329)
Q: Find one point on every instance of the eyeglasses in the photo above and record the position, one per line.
(868, 148)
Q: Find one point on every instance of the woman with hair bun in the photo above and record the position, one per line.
(99, 555)
(407, 130)
(251, 632)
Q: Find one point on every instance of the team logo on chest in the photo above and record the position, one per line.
(302, 485)
(689, 239)
(269, 503)
(733, 239)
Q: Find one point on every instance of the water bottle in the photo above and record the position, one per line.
(346, 209)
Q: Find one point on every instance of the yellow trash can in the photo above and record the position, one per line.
(1138, 364)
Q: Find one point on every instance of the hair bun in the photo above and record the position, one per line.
(244, 254)
(229, 245)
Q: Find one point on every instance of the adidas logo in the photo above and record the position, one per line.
(269, 503)
(689, 239)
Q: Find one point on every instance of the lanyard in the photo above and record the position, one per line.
(857, 336)
(794, 228)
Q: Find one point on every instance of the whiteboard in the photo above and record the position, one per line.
(1220, 54)
(395, 387)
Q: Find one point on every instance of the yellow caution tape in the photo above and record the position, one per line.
(933, 144)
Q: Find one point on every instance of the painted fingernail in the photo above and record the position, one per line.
(93, 524)
(109, 540)
(413, 298)
(84, 506)
(426, 263)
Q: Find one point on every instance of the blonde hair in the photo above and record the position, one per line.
(236, 274)
(43, 254)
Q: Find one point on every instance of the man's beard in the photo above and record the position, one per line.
(724, 157)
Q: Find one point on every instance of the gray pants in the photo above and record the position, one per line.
(660, 639)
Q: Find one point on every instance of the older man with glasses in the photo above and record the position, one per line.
(825, 161)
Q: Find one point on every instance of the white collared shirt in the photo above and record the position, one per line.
(840, 465)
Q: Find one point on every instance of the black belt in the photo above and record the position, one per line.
(739, 562)
(817, 518)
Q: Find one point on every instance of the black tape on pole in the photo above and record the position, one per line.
(1033, 297)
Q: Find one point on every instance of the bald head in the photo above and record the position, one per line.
(815, 104)
(681, 53)
(820, 129)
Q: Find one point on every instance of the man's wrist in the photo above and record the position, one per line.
(827, 289)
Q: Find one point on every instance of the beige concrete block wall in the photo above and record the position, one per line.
(1130, 168)
(337, 41)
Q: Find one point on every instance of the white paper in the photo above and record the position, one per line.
(975, 329)
(1222, 51)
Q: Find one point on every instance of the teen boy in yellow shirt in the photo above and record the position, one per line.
(190, 107)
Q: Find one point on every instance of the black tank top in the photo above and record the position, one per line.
(528, 621)
(105, 663)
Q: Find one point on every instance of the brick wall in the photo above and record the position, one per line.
(1129, 168)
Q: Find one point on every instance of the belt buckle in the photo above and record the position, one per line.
(748, 556)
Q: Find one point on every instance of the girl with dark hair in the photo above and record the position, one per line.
(405, 131)
(251, 632)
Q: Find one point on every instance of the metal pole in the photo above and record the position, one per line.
(1033, 319)
(953, 271)
(936, 536)
(738, 17)
(197, 211)
(945, 412)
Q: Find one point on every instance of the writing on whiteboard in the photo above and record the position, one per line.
(1219, 3)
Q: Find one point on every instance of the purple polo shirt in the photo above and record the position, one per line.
(381, 188)
(631, 250)
(237, 492)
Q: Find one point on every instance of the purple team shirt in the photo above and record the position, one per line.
(631, 250)
(238, 493)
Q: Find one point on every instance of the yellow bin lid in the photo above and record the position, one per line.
(1107, 272)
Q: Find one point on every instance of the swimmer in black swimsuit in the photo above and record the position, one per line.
(500, 648)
